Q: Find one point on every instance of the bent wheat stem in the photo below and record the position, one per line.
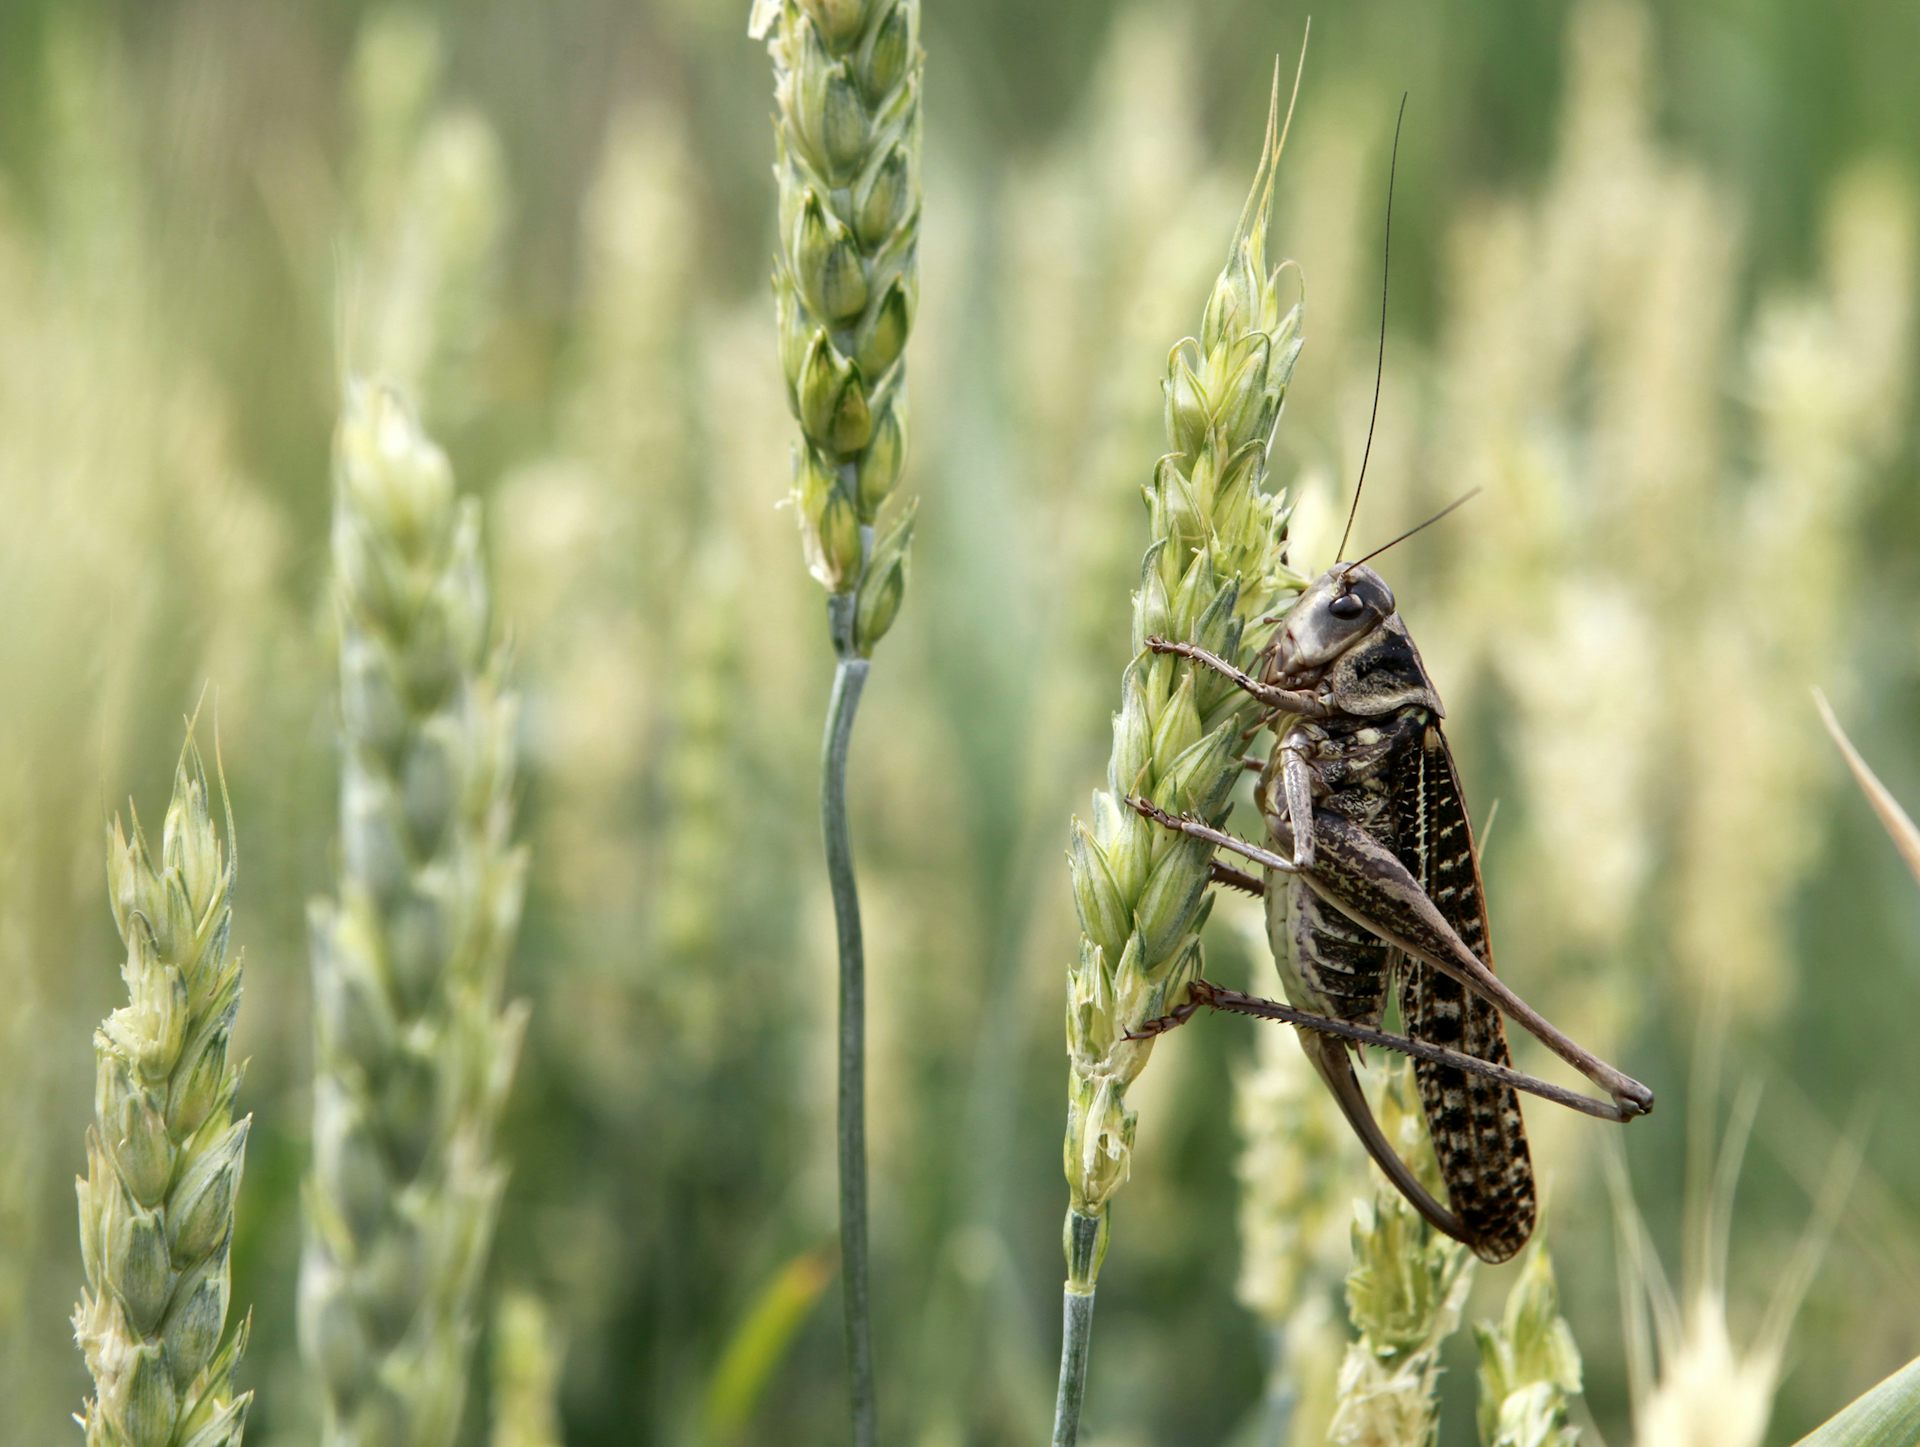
(849, 679)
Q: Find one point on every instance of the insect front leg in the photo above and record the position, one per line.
(1364, 879)
(1285, 699)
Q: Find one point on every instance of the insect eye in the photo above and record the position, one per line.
(1347, 605)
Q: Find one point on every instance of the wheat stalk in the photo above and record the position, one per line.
(413, 1050)
(164, 1153)
(1211, 573)
(847, 77)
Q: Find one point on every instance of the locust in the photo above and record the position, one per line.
(1372, 889)
(1373, 884)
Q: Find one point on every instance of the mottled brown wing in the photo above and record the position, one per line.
(1478, 1135)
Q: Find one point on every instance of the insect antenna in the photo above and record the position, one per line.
(1458, 502)
(1380, 360)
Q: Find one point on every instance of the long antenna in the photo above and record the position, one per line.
(1380, 361)
(1460, 501)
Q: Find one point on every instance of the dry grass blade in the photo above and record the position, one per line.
(1898, 824)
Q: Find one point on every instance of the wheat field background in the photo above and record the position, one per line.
(1653, 291)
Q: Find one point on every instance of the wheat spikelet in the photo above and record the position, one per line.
(846, 284)
(164, 1153)
(1529, 1364)
(414, 1052)
(1404, 1293)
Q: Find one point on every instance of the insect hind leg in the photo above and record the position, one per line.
(1205, 994)
(1373, 888)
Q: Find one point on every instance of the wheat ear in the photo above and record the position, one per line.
(1405, 1289)
(414, 1051)
(1212, 572)
(164, 1153)
(847, 77)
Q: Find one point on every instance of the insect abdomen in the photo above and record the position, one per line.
(1327, 963)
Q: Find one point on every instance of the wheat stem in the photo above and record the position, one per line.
(849, 679)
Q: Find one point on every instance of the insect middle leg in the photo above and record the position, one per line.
(1198, 829)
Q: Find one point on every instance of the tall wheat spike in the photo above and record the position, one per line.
(847, 81)
(414, 1051)
(1211, 573)
(164, 1153)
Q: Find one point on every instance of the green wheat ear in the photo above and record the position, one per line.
(1211, 573)
(164, 1153)
(847, 77)
(1405, 1288)
(1529, 1363)
(414, 1051)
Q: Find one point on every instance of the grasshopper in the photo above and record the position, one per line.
(1373, 883)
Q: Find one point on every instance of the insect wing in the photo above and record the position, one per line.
(1478, 1135)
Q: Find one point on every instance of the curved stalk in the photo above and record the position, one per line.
(849, 680)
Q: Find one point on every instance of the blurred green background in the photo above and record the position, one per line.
(1652, 289)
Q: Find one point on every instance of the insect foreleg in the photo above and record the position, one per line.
(1296, 780)
(1284, 699)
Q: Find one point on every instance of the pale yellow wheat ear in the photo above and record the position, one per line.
(526, 1365)
(1212, 572)
(414, 1049)
(1689, 1379)
(1894, 819)
(1298, 1168)
(165, 1153)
